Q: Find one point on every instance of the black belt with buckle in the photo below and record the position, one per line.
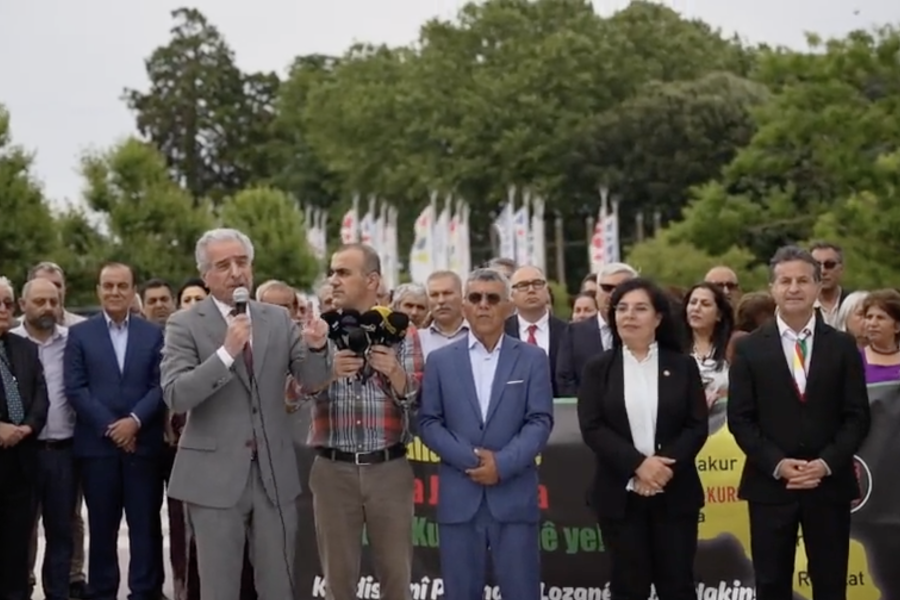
(54, 444)
(364, 458)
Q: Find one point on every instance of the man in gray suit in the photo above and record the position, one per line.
(236, 470)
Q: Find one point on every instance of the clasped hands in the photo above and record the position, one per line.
(802, 474)
(486, 471)
(10, 434)
(653, 475)
(381, 358)
(123, 433)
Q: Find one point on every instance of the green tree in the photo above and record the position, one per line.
(833, 113)
(82, 249)
(209, 120)
(153, 225)
(27, 232)
(275, 225)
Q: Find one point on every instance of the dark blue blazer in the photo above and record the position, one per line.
(101, 394)
(518, 424)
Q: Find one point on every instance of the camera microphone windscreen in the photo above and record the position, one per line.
(400, 322)
(240, 297)
(370, 321)
(357, 341)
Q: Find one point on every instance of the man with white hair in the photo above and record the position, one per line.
(411, 299)
(586, 339)
(236, 470)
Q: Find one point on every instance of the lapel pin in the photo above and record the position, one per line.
(666, 373)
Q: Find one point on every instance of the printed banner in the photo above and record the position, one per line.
(575, 565)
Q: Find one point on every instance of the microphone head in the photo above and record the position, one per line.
(332, 318)
(370, 321)
(240, 297)
(357, 341)
(349, 318)
(400, 322)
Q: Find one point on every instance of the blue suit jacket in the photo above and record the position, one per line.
(101, 394)
(516, 429)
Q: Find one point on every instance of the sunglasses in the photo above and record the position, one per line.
(607, 287)
(828, 264)
(7, 304)
(727, 285)
(478, 297)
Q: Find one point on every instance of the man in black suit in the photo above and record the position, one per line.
(799, 410)
(532, 321)
(23, 412)
(583, 340)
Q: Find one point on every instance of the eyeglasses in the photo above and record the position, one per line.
(477, 297)
(535, 284)
(7, 304)
(607, 287)
(828, 264)
(726, 285)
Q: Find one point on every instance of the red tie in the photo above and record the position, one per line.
(531, 339)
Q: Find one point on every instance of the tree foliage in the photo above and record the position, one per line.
(209, 120)
(275, 224)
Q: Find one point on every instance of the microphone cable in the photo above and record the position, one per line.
(254, 392)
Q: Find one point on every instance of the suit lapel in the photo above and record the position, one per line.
(509, 355)
(775, 350)
(216, 329)
(512, 326)
(667, 395)
(467, 378)
(597, 334)
(130, 344)
(105, 338)
(259, 323)
(556, 330)
(818, 360)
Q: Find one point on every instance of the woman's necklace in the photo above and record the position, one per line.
(890, 352)
(699, 353)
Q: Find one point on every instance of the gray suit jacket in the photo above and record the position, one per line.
(213, 460)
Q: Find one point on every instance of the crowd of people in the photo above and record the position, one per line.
(179, 396)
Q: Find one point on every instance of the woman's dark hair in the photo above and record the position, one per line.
(754, 309)
(723, 328)
(190, 282)
(667, 337)
(589, 296)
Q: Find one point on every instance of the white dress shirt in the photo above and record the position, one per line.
(605, 332)
(641, 379)
(431, 338)
(60, 416)
(484, 368)
(222, 353)
(541, 333)
(118, 335)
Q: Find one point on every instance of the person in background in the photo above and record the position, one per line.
(412, 300)
(112, 381)
(881, 356)
(193, 290)
(53, 273)
(584, 307)
(754, 310)
(584, 340)
(325, 295)
(851, 317)
(158, 301)
(487, 411)
(23, 413)
(507, 266)
(445, 301)
(384, 294)
(710, 323)
(589, 285)
(799, 409)
(726, 280)
(137, 306)
(57, 481)
(643, 412)
(831, 295)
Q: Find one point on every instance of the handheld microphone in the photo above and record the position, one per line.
(384, 326)
(240, 297)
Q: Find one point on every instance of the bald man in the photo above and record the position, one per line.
(726, 280)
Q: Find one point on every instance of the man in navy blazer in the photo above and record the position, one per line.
(487, 411)
(112, 381)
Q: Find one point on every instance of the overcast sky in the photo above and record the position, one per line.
(64, 64)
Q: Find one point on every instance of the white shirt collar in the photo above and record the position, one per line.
(654, 350)
(225, 309)
(113, 325)
(59, 332)
(474, 342)
(464, 326)
(540, 323)
(601, 321)
(784, 329)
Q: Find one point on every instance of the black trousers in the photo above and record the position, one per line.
(773, 543)
(650, 546)
(17, 511)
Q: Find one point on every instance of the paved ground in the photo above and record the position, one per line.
(123, 557)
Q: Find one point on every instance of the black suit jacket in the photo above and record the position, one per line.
(557, 329)
(682, 427)
(580, 342)
(770, 422)
(26, 366)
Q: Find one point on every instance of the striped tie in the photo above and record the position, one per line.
(800, 363)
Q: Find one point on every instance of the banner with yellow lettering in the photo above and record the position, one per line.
(575, 565)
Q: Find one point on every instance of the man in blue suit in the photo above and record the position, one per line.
(487, 411)
(112, 381)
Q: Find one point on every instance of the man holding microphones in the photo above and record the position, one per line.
(224, 362)
(360, 428)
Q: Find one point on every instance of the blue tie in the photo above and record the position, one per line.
(13, 398)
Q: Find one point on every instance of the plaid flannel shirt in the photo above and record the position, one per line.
(354, 415)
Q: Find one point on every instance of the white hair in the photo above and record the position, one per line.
(849, 306)
(408, 289)
(219, 235)
(490, 275)
(6, 284)
(616, 268)
(268, 285)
